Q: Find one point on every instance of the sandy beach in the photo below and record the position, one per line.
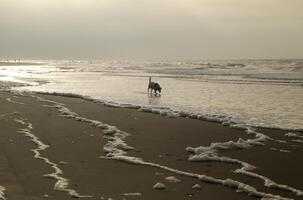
(77, 149)
(151, 100)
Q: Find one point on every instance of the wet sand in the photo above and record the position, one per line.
(77, 148)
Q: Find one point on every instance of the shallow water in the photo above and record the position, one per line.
(265, 93)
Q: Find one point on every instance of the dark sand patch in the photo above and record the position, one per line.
(77, 148)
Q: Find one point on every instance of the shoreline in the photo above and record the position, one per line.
(155, 138)
(18, 63)
(164, 112)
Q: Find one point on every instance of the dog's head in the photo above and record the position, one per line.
(159, 88)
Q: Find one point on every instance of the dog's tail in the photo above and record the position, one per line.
(149, 79)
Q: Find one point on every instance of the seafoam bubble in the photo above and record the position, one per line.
(294, 135)
(14, 102)
(172, 179)
(159, 186)
(298, 141)
(133, 194)
(2, 195)
(281, 141)
(197, 186)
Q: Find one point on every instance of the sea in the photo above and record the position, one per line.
(258, 93)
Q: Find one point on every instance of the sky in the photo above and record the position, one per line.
(151, 29)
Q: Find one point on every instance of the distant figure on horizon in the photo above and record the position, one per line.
(153, 86)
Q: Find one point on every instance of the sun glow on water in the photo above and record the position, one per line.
(257, 93)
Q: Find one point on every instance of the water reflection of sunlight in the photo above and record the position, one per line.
(154, 99)
(12, 79)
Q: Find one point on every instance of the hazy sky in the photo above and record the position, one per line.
(151, 29)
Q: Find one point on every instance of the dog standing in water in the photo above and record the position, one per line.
(153, 86)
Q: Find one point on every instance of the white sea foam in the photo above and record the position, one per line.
(159, 186)
(270, 183)
(116, 149)
(202, 157)
(172, 179)
(209, 153)
(297, 137)
(294, 135)
(115, 145)
(240, 187)
(299, 141)
(2, 195)
(133, 194)
(281, 141)
(240, 144)
(284, 151)
(14, 102)
(62, 183)
(281, 150)
(197, 186)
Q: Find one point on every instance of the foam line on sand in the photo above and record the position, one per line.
(210, 153)
(2, 190)
(117, 148)
(62, 184)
